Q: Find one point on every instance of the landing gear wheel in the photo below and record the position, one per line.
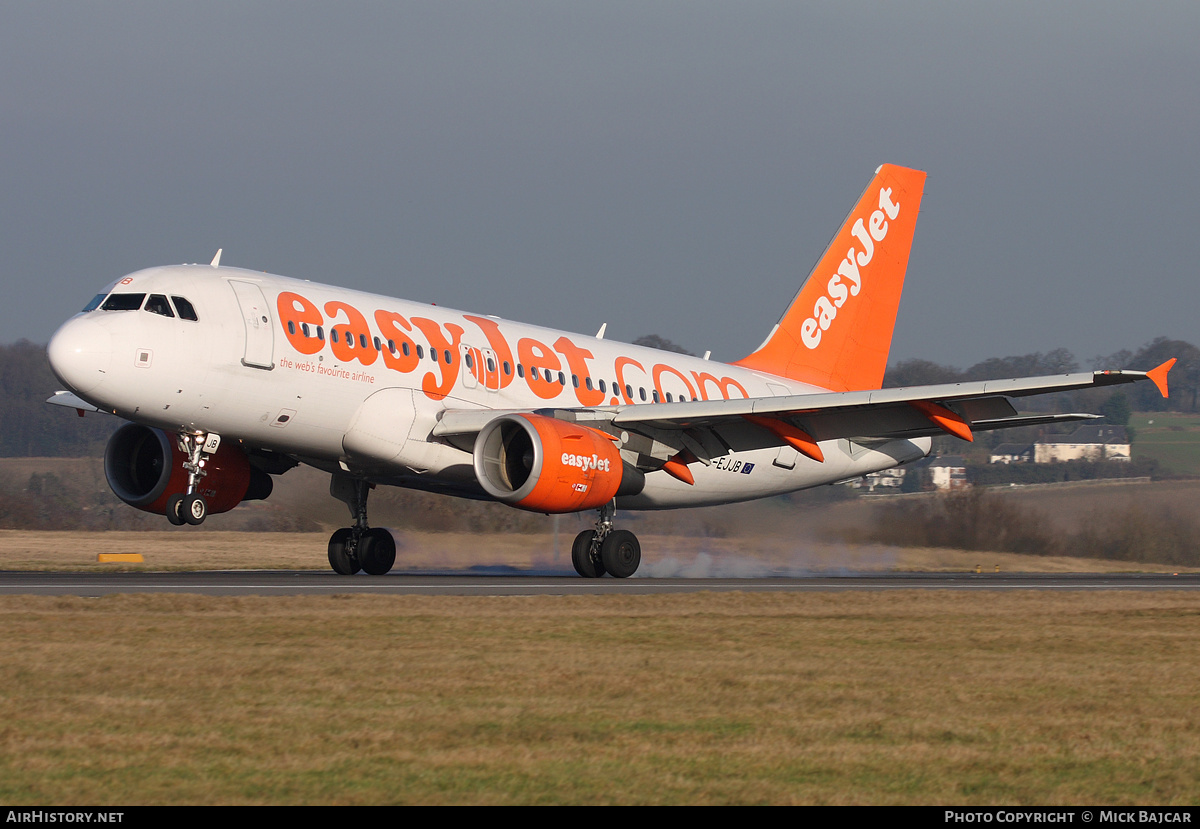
(377, 551)
(194, 509)
(339, 553)
(175, 510)
(581, 556)
(621, 553)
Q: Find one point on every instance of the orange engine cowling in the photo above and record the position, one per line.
(545, 465)
(144, 467)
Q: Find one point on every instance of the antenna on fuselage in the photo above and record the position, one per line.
(600, 333)
(216, 263)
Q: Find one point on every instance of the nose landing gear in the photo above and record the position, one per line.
(190, 507)
(360, 547)
(606, 550)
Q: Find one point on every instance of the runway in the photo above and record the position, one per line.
(314, 583)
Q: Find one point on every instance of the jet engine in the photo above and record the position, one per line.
(541, 464)
(144, 468)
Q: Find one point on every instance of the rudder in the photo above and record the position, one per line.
(837, 332)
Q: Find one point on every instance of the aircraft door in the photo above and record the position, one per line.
(470, 366)
(256, 315)
(480, 368)
(491, 370)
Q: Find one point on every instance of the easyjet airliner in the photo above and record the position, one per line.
(230, 377)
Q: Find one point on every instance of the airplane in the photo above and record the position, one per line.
(229, 377)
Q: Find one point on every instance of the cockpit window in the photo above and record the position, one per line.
(185, 309)
(123, 302)
(157, 304)
(95, 303)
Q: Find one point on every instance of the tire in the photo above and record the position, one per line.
(377, 551)
(175, 510)
(581, 556)
(339, 556)
(194, 509)
(621, 554)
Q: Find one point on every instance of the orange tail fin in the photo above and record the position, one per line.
(838, 330)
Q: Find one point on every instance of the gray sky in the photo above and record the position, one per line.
(670, 168)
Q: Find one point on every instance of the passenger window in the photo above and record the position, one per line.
(321, 333)
(420, 352)
(521, 370)
(507, 368)
(185, 309)
(334, 335)
(404, 348)
(603, 390)
(562, 379)
(642, 393)
(533, 372)
(157, 304)
(654, 395)
(362, 340)
(123, 302)
(292, 327)
(304, 329)
(491, 364)
(378, 345)
(447, 356)
(469, 361)
(575, 380)
(587, 381)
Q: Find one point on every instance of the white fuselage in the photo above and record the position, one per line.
(268, 361)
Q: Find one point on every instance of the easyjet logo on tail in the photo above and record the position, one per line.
(837, 291)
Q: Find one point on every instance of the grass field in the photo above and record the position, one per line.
(1171, 438)
(865, 698)
(1030, 698)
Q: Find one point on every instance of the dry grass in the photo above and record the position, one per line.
(922, 697)
(663, 555)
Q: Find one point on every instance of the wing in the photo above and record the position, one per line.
(663, 432)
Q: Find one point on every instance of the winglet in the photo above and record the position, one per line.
(216, 263)
(1159, 376)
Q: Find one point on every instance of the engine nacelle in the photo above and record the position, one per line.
(541, 464)
(144, 467)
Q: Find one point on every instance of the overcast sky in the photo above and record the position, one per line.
(669, 168)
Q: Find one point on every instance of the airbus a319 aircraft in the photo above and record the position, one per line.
(229, 377)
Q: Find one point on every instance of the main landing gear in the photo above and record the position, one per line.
(190, 507)
(359, 547)
(606, 550)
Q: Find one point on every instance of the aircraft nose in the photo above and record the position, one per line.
(80, 353)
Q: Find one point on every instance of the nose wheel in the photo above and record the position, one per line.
(606, 550)
(190, 507)
(187, 509)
